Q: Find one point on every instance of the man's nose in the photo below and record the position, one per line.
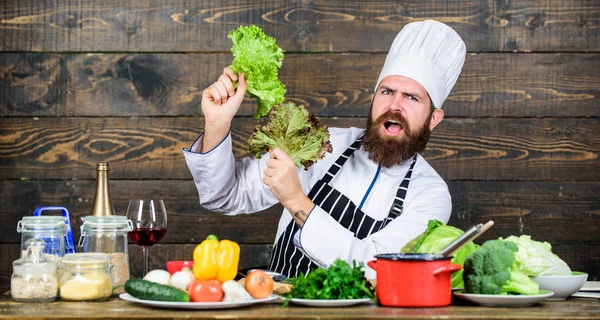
(397, 105)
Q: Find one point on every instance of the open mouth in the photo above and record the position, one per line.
(392, 127)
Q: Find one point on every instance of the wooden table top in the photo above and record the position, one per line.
(115, 308)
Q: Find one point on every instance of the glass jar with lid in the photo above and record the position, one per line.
(85, 277)
(34, 278)
(108, 234)
(51, 229)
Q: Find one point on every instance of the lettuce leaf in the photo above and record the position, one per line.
(535, 258)
(260, 58)
(413, 245)
(437, 237)
(292, 129)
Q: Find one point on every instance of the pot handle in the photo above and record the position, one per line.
(372, 264)
(451, 268)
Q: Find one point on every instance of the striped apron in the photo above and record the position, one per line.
(290, 261)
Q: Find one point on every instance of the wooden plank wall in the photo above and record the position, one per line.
(120, 81)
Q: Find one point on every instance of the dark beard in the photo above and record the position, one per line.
(390, 151)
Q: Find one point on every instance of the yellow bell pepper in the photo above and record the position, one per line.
(214, 259)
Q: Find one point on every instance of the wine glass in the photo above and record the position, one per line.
(149, 218)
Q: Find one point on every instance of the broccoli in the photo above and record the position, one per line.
(492, 270)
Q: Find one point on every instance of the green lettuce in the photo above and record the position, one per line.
(535, 258)
(260, 58)
(437, 237)
(292, 129)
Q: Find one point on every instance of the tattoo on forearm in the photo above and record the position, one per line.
(301, 215)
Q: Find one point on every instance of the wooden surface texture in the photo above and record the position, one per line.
(298, 25)
(574, 308)
(330, 85)
(522, 149)
(83, 82)
(554, 210)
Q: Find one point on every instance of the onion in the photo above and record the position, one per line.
(159, 276)
(182, 279)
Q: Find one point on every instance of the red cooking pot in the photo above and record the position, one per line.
(413, 280)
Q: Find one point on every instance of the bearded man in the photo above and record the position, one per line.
(373, 193)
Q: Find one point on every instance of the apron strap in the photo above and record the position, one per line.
(337, 165)
(398, 204)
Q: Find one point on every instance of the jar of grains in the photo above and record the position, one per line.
(85, 277)
(108, 234)
(34, 278)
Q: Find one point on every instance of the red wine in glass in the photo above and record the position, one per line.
(149, 220)
(146, 237)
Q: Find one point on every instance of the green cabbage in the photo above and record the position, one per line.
(437, 237)
(535, 258)
(292, 129)
(260, 58)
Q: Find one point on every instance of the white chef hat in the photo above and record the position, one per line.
(430, 53)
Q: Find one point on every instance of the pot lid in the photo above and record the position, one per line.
(412, 256)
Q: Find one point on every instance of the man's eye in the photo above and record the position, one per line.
(413, 98)
(386, 91)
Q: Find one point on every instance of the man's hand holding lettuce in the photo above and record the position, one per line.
(434, 239)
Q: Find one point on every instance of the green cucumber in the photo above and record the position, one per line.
(146, 290)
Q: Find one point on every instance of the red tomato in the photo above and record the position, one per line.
(205, 291)
(258, 284)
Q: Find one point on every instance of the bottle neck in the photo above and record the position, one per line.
(102, 203)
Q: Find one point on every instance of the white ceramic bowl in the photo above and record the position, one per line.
(562, 286)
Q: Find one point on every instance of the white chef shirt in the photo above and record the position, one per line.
(237, 188)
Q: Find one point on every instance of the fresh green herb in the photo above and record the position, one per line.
(260, 58)
(340, 281)
(292, 129)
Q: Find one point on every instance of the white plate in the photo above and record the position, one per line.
(197, 305)
(588, 294)
(591, 286)
(329, 303)
(505, 300)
